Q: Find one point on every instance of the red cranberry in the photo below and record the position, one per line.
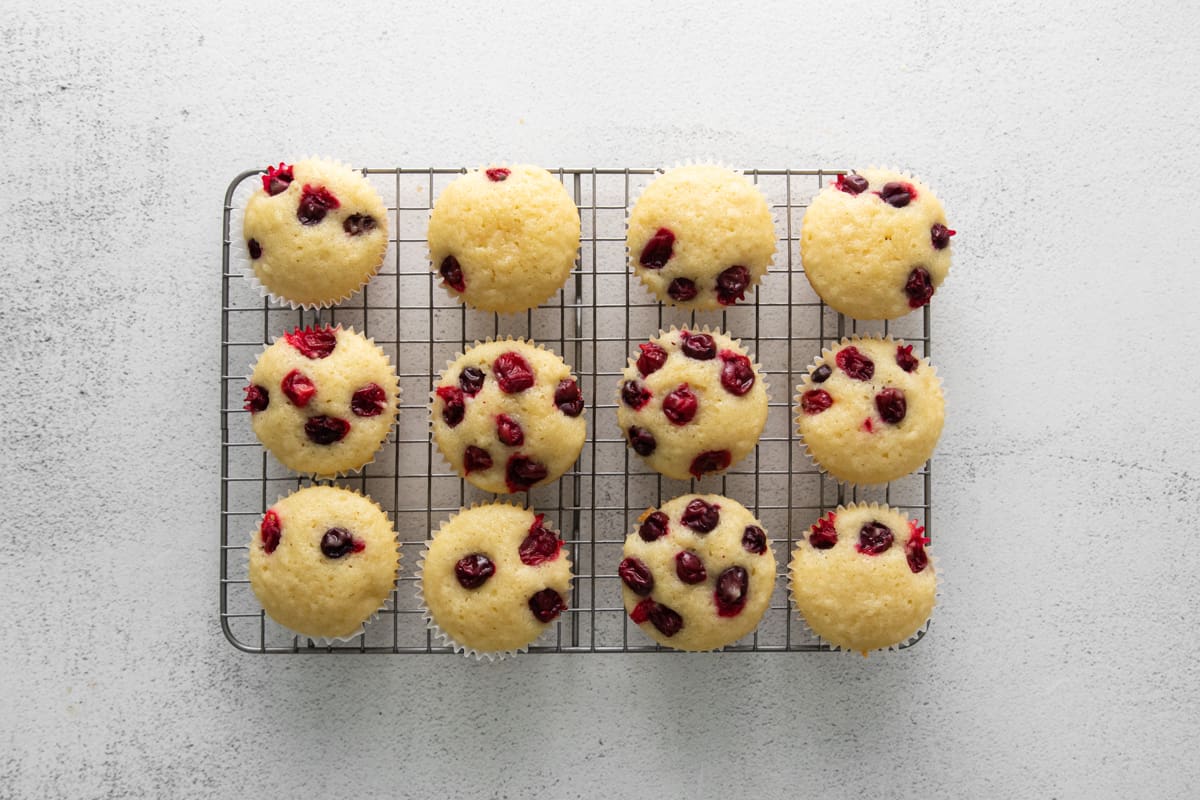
(636, 575)
(254, 247)
(814, 401)
(476, 459)
(891, 405)
(498, 174)
(710, 461)
(652, 358)
(508, 431)
(358, 224)
(699, 346)
(326, 430)
(337, 542)
(546, 605)
(681, 405)
(823, 535)
(665, 619)
(754, 540)
(732, 586)
(470, 380)
(369, 401)
(905, 358)
(277, 179)
(897, 194)
(874, 538)
(522, 472)
(512, 372)
(731, 285)
(313, 343)
(635, 395)
(737, 374)
(257, 398)
(568, 398)
(315, 203)
(855, 363)
(689, 567)
(298, 387)
(474, 570)
(270, 531)
(657, 251)
(701, 516)
(682, 290)
(851, 184)
(452, 274)
(540, 545)
(914, 549)
(642, 441)
(821, 373)
(654, 526)
(940, 235)
(918, 287)
(453, 406)
(641, 612)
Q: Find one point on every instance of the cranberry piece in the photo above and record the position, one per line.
(699, 346)
(730, 595)
(754, 540)
(358, 224)
(814, 401)
(710, 461)
(326, 430)
(476, 459)
(314, 343)
(823, 535)
(642, 441)
(855, 363)
(891, 405)
(522, 472)
(701, 516)
(568, 398)
(277, 179)
(681, 405)
(905, 358)
(914, 548)
(652, 358)
(641, 612)
(508, 431)
(874, 538)
(540, 545)
(257, 398)
(657, 251)
(270, 531)
(939, 236)
(470, 380)
(635, 395)
(254, 247)
(636, 575)
(498, 174)
(369, 401)
(737, 374)
(821, 373)
(731, 285)
(337, 542)
(918, 287)
(546, 605)
(315, 203)
(454, 408)
(474, 570)
(452, 274)
(513, 372)
(897, 194)
(298, 387)
(665, 619)
(689, 567)
(653, 527)
(682, 289)
(851, 184)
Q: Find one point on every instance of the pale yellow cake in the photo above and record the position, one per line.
(315, 232)
(691, 403)
(701, 236)
(323, 560)
(508, 416)
(698, 573)
(869, 411)
(862, 578)
(504, 239)
(323, 400)
(494, 578)
(874, 244)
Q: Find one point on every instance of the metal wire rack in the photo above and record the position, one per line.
(595, 322)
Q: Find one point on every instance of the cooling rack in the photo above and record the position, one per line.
(595, 322)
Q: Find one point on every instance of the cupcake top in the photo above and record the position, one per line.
(862, 579)
(322, 561)
(875, 244)
(701, 236)
(315, 232)
(692, 403)
(494, 578)
(322, 400)
(869, 411)
(698, 573)
(504, 239)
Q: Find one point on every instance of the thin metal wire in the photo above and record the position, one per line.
(595, 325)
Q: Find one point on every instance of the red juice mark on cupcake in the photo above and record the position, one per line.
(665, 619)
(905, 358)
(701, 516)
(689, 567)
(277, 179)
(270, 531)
(452, 274)
(313, 343)
(315, 203)
(298, 387)
(652, 358)
(680, 406)
(512, 372)
(454, 408)
(337, 542)
(709, 461)
(851, 184)
(823, 535)
(654, 527)
(257, 398)
(732, 587)
(498, 174)
(369, 401)
(754, 540)
(855, 364)
(522, 472)
(814, 401)
(254, 247)
(358, 224)
(540, 545)
(682, 290)
(658, 249)
(897, 194)
(891, 405)
(699, 346)
(635, 395)
(473, 571)
(731, 285)
(508, 431)
(637, 576)
(914, 548)
(874, 538)
(326, 430)
(939, 236)
(568, 398)
(476, 459)
(546, 605)
(737, 374)
(470, 380)
(868, 426)
(918, 287)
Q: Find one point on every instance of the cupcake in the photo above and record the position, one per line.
(507, 415)
(322, 400)
(504, 239)
(698, 573)
(862, 579)
(316, 232)
(323, 561)
(691, 403)
(494, 578)
(875, 244)
(700, 237)
(869, 411)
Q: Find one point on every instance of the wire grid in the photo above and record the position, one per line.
(595, 323)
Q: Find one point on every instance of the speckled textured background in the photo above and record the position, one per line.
(1063, 660)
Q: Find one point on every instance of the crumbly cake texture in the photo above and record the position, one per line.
(504, 238)
(323, 561)
(869, 411)
(862, 578)
(691, 403)
(700, 236)
(508, 415)
(323, 400)
(494, 578)
(315, 232)
(698, 572)
(875, 244)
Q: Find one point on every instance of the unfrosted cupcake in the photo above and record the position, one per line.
(494, 578)
(862, 579)
(504, 239)
(870, 411)
(701, 236)
(322, 561)
(692, 403)
(323, 400)
(316, 232)
(698, 573)
(875, 244)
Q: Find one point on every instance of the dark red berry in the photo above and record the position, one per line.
(254, 247)
(474, 570)
(823, 535)
(710, 461)
(642, 441)
(814, 401)
(326, 430)
(476, 459)
(257, 398)
(652, 358)
(891, 405)
(270, 531)
(905, 358)
(737, 374)
(689, 567)
(731, 285)
(654, 526)
(540, 545)
(508, 431)
(897, 194)
(277, 179)
(939, 236)
(851, 184)
(657, 251)
(874, 538)
(641, 612)
(546, 605)
(454, 407)
(568, 398)
(498, 174)
(665, 619)
(315, 203)
(512, 372)
(855, 363)
(730, 595)
(470, 380)
(701, 516)
(754, 540)
(635, 395)
(452, 274)
(682, 290)
(337, 542)
(314, 343)
(821, 373)
(358, 224)
(914, 548)
(522, 472)
(369, 401)
(699, 346)
(636, 575)
(680, 406)
(918, 287)
(298, 387)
